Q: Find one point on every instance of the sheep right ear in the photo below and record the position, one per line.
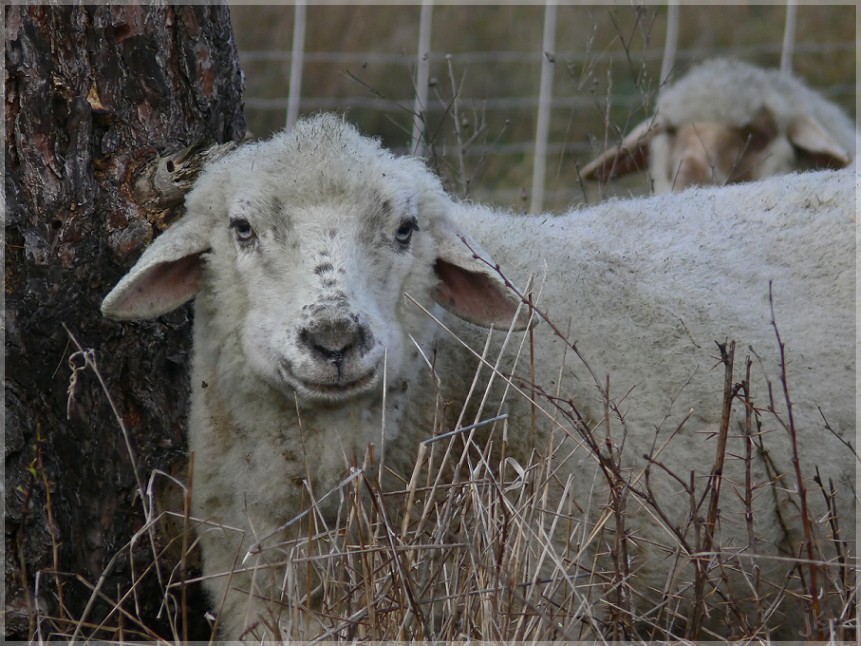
(165, 276)
(808, 135)
(469, 286)
(631, 154)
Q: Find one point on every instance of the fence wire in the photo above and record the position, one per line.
(581, 108)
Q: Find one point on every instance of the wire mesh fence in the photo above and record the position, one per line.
(483, 64)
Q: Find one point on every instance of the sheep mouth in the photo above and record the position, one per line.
(343, 388)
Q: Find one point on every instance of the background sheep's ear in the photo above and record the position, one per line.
(166, 275)
(468, 287)
(808, 135)
(631, 155)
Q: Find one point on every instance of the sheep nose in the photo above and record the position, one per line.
(333, 340)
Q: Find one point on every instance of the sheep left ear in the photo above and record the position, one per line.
(166, 275)
(808, 135)
(469, 286)
(631, 154)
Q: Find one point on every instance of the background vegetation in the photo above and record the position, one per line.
(361, 59)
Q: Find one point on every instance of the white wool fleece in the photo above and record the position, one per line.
(307, 254)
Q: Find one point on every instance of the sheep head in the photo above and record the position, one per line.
(303, 247)
(726, 122)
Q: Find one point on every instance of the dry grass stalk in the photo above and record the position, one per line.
(468, 547)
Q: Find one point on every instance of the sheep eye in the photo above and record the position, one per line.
(243, 230)
(405, 232)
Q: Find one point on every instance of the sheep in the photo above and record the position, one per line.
(727, 121)
(331, 280)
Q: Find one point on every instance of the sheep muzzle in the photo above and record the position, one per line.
(337, 359)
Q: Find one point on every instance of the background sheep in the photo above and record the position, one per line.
(300, 250)
(727, 121)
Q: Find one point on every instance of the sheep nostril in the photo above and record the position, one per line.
(332, 341)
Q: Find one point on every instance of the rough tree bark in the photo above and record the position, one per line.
(92, 95)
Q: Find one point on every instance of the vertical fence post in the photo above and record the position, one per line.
(670, 43)
(297, 58)
(417, 145)
(545, 97)
(788, 38)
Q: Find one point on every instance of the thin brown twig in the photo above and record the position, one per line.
(727, 355)
(813, 589)
(747, 431)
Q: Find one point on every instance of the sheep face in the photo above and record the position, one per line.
(706, 153)
(710, 153)
(321, 288)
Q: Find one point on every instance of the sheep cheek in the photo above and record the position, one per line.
(262, 348)
(775, 159)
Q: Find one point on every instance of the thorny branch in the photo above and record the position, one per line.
(796, 463)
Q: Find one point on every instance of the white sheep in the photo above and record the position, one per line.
(300, 250)
(727, 121)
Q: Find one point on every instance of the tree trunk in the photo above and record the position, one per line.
(94, 94)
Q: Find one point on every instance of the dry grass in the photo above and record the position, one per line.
(478, 545)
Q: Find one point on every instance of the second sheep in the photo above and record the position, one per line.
(725, 122)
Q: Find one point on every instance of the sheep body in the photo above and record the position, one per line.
(340, 230)
(647, 287)
(727, 121)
